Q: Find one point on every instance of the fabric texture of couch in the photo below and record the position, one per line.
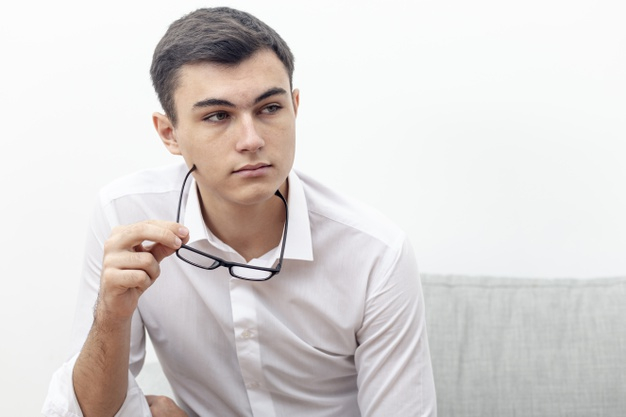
(527, 347)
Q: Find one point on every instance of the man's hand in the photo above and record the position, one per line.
(161, 406)
(130, 265)
(129, 268)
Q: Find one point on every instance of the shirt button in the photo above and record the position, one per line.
(247, 334)
(253, 385)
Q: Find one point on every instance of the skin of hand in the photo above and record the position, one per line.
(161, 406)
(130, 266)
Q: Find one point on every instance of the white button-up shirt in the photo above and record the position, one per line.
(339, 332)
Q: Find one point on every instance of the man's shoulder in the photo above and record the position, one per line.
(326, 204)
(156, 180)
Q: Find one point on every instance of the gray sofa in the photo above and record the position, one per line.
(518, 347)
(527, 347)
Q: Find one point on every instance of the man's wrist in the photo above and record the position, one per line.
(106, 320)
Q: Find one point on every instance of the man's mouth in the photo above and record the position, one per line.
(253, 169)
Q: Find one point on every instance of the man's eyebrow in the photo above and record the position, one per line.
(271, 92)
(220, 102)
(213, 102)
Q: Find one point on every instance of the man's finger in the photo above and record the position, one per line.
(169, 234)
(144, 261)
(123, 280)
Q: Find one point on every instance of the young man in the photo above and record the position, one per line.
(283, 299)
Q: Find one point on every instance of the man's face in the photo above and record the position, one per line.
(237, 125)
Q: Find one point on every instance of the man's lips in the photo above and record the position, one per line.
(253, 169)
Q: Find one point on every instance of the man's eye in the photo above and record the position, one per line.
(272, 108)
(216, 117)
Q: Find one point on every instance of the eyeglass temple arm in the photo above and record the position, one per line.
(182, 192)
(282, 249)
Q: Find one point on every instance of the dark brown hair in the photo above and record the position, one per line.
(220, 35)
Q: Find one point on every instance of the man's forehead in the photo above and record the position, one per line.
(243, 82)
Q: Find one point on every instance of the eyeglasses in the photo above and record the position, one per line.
(204, 260)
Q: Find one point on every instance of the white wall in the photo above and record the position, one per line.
(493, 132)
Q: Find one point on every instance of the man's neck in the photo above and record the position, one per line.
(251, 230)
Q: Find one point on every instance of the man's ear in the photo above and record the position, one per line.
(166, 131)
(295, 98)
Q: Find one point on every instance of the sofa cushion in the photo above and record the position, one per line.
(527, 347)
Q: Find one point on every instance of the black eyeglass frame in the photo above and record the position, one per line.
(231, 265)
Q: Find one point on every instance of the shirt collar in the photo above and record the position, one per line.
(298, 245)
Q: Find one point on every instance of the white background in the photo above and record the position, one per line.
(493, 132)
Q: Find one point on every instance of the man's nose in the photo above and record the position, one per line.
(249, 138)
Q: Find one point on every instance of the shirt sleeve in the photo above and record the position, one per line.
(395, 376)
(61, 399)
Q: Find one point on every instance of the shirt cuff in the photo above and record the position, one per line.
(61, 399)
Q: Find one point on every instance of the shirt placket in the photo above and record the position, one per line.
(245, 326)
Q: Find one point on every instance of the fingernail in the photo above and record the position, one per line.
(183, 231)
(178, 242)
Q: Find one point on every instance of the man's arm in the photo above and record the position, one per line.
(395, 374)
(129, 268)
